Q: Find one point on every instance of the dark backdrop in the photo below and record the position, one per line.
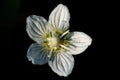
(86, 16)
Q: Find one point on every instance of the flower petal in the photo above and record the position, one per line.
(37, 54)
(62, 63)
(78, 42)
(36, 27)
(59, 17)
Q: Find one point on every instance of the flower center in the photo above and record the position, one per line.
(53, 42)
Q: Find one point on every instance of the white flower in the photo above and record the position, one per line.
(55, 45)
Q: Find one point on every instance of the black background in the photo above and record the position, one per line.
(86, 16)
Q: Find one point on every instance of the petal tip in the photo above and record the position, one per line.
(62, 64)
(60, 4)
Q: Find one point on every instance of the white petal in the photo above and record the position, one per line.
(62, 63)
(36, 27)
(36, 54)
(79, 42)
(59, 17)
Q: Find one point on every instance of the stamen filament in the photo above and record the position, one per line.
(64, 47)
(49, 55)
(64, 33)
